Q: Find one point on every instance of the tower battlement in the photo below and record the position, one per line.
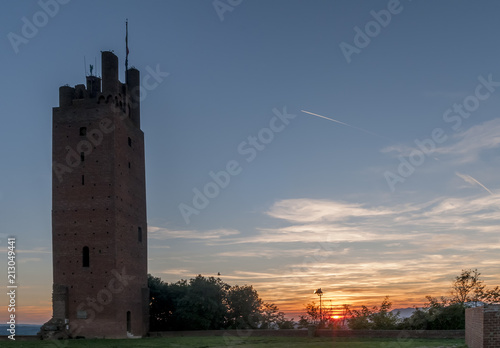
(107, 91)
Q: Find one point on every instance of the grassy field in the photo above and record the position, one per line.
(248, 342)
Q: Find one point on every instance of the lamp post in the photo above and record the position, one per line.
(319, 293)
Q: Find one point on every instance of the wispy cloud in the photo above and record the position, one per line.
(179, 272)
(159, 246)
(30, 259)
(164, 233)
(309, 210)
(37, 250)
(463, 147)
(471, 142)
(317, 233)
(332, 221)
(257, 251)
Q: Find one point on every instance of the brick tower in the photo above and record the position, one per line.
(99, 231)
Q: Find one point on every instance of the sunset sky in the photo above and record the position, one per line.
(394, 194)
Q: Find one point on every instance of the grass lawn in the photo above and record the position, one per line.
(248, 342)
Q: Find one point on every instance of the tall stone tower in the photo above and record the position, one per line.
(99, 231)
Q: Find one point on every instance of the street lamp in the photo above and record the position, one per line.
(319, 293)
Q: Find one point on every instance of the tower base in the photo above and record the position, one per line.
(54, 329)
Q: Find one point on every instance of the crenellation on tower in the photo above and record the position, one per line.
(66, 96)
(81, 92)
(106, 92)
(93, 86)
(109, 73)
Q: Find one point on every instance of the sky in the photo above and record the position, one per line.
(291, 145)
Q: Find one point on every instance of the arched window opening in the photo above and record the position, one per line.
(129, 324)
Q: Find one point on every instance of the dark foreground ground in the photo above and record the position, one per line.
(243, 342)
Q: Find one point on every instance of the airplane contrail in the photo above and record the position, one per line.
(348, 125)
(472, 181)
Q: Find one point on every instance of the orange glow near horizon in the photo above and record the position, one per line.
(39, 312)
(291, 296)
(37, 308)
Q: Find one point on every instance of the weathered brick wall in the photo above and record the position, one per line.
(482, 327)
(491, 322)
(474, 327)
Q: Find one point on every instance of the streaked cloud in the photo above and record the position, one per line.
(462, 147)
(308, 210)
(258, 251)
(37, 250)
(180, 272)
(159, 246)
(164, 233)
(471, 142)
(29, 259)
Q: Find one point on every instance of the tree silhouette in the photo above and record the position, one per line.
(467, 287)
(209, 304)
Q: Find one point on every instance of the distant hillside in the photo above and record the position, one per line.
(404, 312)
(21, 330)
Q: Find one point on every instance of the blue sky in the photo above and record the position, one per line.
(314, 207)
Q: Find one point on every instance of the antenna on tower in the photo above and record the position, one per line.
(126, 47)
